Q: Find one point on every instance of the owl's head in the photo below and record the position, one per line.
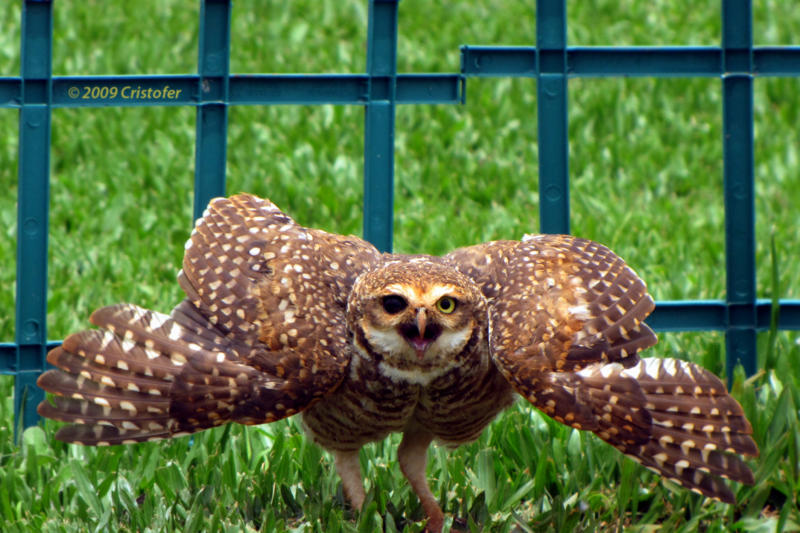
(416, 316)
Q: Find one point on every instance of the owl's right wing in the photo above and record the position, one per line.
(261, 335)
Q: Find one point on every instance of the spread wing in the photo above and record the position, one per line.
(260, 336)
(566, 319)
(559, 303)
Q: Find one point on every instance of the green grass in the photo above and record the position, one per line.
(646, 169)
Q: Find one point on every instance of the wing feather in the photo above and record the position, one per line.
(567, 324)
(260, 336)
(559, 303)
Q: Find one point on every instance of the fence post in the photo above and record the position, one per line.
(737, 84)
(33, 204)
(379, 123)
(212, 108)
(551, 88)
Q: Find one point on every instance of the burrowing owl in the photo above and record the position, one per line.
(280, 319)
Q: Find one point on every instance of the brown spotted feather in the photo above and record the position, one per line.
(260, 336)
(571, 302)
(698, 430)
(567, 324)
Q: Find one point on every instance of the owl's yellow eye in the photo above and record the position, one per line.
(446, 304)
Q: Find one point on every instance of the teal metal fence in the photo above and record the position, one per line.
(36, 92)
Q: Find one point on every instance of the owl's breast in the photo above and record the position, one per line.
(366, 407)
(457, 406)
(372, 402)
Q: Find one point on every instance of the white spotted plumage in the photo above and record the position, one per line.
(281, 319)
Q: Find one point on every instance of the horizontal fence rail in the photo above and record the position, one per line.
(641, 61)
(737, 63)
(253, 89)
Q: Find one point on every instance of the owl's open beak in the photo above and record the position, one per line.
(420, 334)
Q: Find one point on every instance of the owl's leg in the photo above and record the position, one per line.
(413, 457)
(349, 470)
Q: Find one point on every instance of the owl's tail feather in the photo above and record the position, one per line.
(138, 378)
(698, 432)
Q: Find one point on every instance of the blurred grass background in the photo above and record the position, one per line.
(646, 179)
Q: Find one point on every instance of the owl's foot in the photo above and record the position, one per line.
(413, 457)
(349, 470)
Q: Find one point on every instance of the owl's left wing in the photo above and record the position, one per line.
(559, 303)
(566, 319)
(260, 336)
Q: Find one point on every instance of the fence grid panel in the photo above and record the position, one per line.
(551, 62)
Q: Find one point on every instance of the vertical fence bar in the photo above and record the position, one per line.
(212, 111)
(379, 123)
(737, 85)
(551, 87)
(32, 209)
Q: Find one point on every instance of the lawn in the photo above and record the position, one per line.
(646, 179)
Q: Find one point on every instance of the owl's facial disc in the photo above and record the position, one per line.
(421, 322)
(415, 318)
